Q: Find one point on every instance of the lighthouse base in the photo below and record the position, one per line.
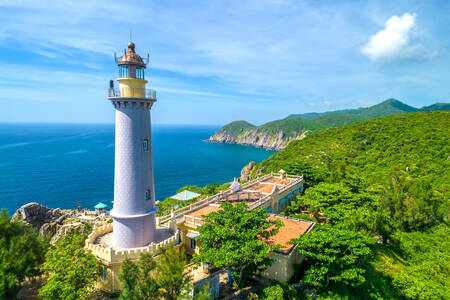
(134, 232)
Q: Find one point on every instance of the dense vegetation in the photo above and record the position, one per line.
(235, 128)
(72, 272)
(295, 124)
(162, 279)
(231, 239)
(208, 190)
(383, 180)
(21, 253)
(385, 108)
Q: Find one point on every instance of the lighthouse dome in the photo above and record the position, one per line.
(131, 57)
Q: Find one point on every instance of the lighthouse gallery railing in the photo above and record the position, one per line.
(127, 92)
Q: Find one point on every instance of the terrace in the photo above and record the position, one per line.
(255, 193)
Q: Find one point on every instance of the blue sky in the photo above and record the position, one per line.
(217, 61)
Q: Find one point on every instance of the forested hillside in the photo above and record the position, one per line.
(277, 134)
(381, 186)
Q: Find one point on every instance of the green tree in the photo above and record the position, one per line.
(148, 285)
(425, 264)
(277, 290)
(232, 239)
(171, 275)
(413, 203)
(72, 272)
(21, 252)
(313, 175)
(129, 280)
(334, 256)
(164, 277)
(329, 202)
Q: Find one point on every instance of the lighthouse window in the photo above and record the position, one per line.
(145, 145)
(123, 71)
(140, 73)
(147, 195)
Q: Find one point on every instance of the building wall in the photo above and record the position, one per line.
(186, 241)
(214, 285)
(112, 283)
(284, 269)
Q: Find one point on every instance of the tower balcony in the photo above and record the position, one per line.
(127, 92)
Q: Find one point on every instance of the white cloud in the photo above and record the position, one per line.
(394, 41)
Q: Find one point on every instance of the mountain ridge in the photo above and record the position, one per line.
(277, 134)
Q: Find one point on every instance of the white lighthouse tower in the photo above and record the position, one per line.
(134, 189)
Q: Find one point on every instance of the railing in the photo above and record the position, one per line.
(181, 212)
(115, 255)
(127, 92)
(196, 221)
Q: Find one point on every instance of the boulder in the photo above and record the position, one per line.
(246, 171)
(35, 214)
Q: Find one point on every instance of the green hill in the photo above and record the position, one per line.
(436, 106)
(386, 178)
(337, 119)
(385, 108)
(236, 128)
(277, 134)
(289, 127)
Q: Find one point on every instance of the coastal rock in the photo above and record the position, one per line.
(49, 228)
(246, 171)
(77, 227)
(257, 138)
(35, 214)
(56, 222)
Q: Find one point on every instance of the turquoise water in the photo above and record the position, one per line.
(60, 164)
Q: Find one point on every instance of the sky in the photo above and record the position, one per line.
(212, 62)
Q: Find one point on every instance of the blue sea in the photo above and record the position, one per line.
(58, 165)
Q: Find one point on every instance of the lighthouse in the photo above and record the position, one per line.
(134, 189)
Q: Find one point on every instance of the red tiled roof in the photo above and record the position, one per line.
(292, 229)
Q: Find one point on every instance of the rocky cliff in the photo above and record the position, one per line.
(56, 222)
(258, 138)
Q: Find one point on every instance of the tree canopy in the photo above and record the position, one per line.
(232, 239)
(162, 278)
(21, 253)
(386, 179)
(72, 272)
(334, 256)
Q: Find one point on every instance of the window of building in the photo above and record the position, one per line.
(104, 273)
(193, 244)
(140, 73)
(275, 260)
(145, 144)
(147, 195)
(123, 71)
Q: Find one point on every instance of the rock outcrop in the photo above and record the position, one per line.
(245, 172)
(37, 215)
(258, 138)
(55, 222)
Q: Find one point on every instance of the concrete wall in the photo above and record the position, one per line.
(284, 269)
(214, 285)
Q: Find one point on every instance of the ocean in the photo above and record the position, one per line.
(58, 165)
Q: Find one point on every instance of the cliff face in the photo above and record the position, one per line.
(55, 222)
(258, 138)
